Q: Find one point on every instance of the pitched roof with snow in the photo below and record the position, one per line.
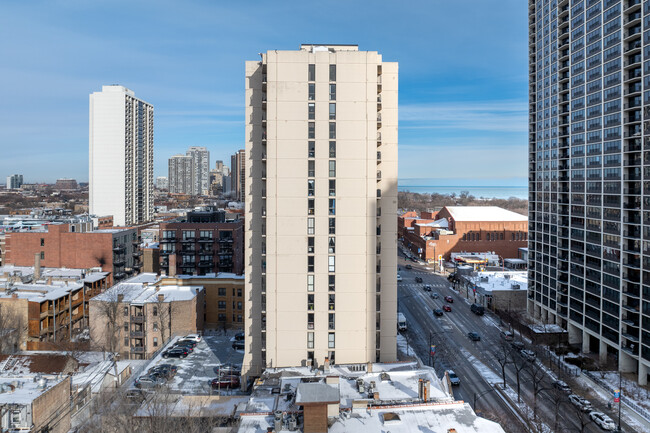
(483, 213)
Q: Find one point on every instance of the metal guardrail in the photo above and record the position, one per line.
(629, 403)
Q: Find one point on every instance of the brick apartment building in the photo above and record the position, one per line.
(465, 229)
(224, 298)
(63, 245)
(202, 243)
(138, 316)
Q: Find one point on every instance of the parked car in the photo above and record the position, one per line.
(453, 378)
(148, 381)
(435, 295)
(449, 299)
(193, 337)
(228, 370)
(580, 403)
(528, 355)
(562, 386)
(437, 312)
(166, 371)
(399, 278)
(602, 420)
(507, 335)
(225, 382)
(176, 352)
(477, 309)
(447, 308)
(474, 336)
(418, 279)
(517, 345)
(240, 336)
(189, 345)
(238, 345)
(408, 267)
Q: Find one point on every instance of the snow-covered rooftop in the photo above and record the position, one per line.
(140, 289)
(491, 281)
(25, 389)
(41, 292)
(484, 213)
(442, 223)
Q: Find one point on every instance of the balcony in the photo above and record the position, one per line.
(138, 349)
(137, 318)
(137, 334)
(120, 249)
(206, 239)
(168, 240)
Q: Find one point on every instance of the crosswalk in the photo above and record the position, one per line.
(420, 285)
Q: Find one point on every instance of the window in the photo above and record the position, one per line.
(42, 255)
(311, 111)
(332, 149)
(221, 305)
(330, 264)
(155, 310)
(155, 341)
(310, 206)
(221, 317)
(222, 291)
(169, 234)
(311, 152)
(310, 244)
(332, 206)
(332, 187)
(239, 293)
(310, 340)
(310, 263)
(331, 301)
(332, 169)
(42, 242)
(330, 321)
(205, 234)
(331, 243)
(311, 75)
(155, 326)
(332, 130)
(332, 72)
(312, 130)
(239, 318)
(310, 320)
(330, 340)
(311, 187)
(126, 327)
(332, 92)
(332, 111)
(311, 168)
(188, 234)
(310, 302)
(312, 91)
(310, 226)
(332, 226)
(310, 283)
(239, 305)
(126, 311)
(126, 341)
(331, 282)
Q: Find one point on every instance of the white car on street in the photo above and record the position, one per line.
(603, 421)
(192, 337)
(399, 278)
(580, 403)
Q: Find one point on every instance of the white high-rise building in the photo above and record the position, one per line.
(162, 182)
(14, 181)
(321, 203)
(180, 174)
(121, 156)
(200, 170)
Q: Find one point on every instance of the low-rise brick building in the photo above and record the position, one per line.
(138, 316)
(467, 228)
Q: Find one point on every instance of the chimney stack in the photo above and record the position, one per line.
(172, 265)
(120, 297)
(37, 266)
(161, 298)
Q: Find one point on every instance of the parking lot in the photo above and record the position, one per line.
(197, 370)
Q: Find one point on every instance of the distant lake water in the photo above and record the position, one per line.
(485, 191)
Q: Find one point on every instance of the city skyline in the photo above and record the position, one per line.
(463, 95)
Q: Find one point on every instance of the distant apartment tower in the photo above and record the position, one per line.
(238, 174)
(180, 174)
(162, 182)
(321, 203)
(14, 181)
(121, 156)
(200, 170)
(589, 267)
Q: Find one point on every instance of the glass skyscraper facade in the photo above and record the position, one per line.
(589, 175)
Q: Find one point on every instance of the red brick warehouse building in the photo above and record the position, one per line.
(465, 229)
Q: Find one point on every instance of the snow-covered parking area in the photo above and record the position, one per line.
(197, 370)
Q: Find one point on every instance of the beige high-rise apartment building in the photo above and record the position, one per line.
(321, 207)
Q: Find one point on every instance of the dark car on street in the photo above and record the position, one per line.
(449, 299)
(176, 352)
(447, 307)
(477, 309)
(225, 382)
(418, 279)
(238, 345)
(474, 336)
(427, 288)
(148, 381)
(438, 312)
(240, 336)
(408, 267)
(166, 371)
(517, 345)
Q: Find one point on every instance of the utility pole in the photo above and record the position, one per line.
(620, 382)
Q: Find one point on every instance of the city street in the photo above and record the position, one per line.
(475, 362)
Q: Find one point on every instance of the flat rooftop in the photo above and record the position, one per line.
(494, 281)
(25, 389)
(483, 213)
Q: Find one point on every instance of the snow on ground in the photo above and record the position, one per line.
(631, 390)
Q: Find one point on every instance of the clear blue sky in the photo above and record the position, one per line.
(463, 76)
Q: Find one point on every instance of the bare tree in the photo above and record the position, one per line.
(164, 311)
(537, 378)
(503, 355)
(13, 329)
(109, 310)
(519, 364)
